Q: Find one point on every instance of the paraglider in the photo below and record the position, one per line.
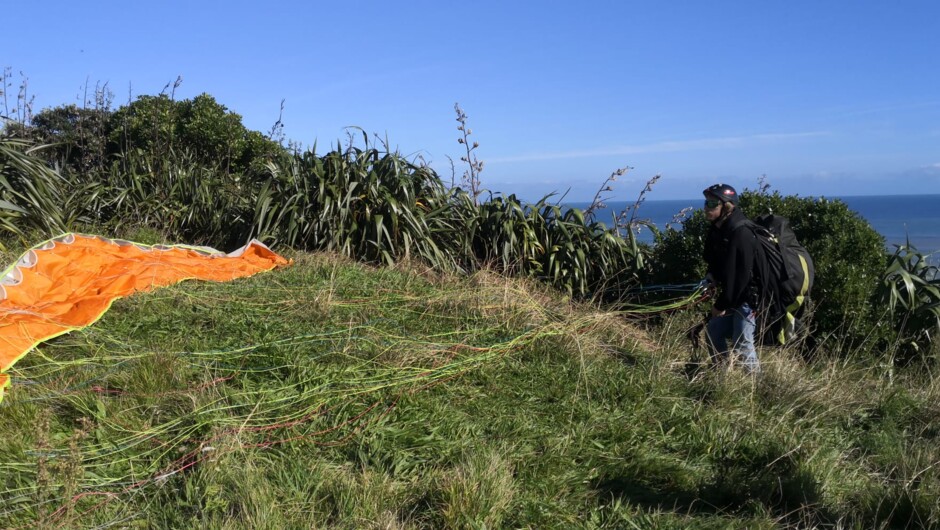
(68, 282)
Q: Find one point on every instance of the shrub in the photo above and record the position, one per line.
(77, 136)
(157, 124)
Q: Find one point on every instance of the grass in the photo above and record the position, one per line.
(336, 395)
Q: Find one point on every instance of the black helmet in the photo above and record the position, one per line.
(722, 192)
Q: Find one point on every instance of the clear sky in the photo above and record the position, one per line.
(823, 97)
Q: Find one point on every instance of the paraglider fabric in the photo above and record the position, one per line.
(69, 282)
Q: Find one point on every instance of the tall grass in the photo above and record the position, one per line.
(334, 395)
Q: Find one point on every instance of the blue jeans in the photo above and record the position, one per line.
(738, 324)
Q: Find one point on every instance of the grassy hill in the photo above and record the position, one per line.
(335, 395)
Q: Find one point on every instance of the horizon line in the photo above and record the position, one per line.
(723, 142)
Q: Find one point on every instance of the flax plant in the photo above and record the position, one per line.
(544, 241)
(181, 197)
(358, 201)
(471, 177)
(911, 289)
(31, 194)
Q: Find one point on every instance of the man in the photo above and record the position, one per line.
(733, 254)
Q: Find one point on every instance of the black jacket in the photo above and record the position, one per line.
(733, 254)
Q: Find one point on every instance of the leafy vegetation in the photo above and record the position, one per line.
(32, 196)
(362, 202)
(89, 138)
(911, 290)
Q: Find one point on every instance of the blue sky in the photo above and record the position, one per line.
(824, 98)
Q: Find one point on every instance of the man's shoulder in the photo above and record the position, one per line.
(737, 222)
(744, 232)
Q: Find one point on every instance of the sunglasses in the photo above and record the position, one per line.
(712, 203)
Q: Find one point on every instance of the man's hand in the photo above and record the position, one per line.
(708, 287)
(718, 312)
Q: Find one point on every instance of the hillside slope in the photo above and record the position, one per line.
(336, 395)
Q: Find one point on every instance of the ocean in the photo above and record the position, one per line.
(896, 217)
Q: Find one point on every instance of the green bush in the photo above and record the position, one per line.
(847, 251)
(158, 124)
(86, 141)
(77, 137)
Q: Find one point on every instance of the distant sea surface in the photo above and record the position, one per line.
(896, 217)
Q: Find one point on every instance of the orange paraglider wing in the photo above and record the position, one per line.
(68, 282)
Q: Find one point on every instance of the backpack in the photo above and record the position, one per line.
(792, 273)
